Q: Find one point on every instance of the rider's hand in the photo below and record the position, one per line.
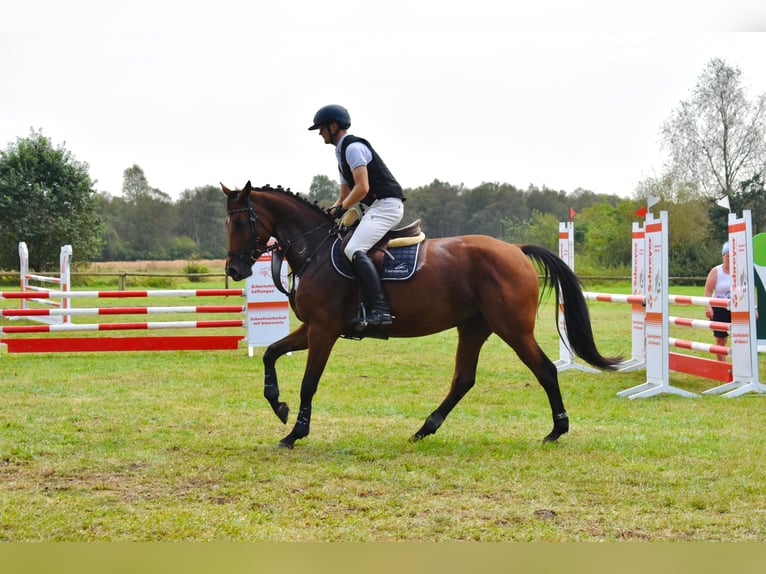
(337, 211)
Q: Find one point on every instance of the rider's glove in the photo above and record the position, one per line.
(337, 211)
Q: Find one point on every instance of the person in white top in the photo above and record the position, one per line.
(364, 178)
(718, 285)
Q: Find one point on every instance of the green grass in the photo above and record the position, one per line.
(182, 446)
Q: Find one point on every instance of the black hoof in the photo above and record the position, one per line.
(282, 411)
(284, 443)
(433, 422)
(552, 437)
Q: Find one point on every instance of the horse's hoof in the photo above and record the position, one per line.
(416, 437)
(282, 411)
(552, 437)
(284, 443)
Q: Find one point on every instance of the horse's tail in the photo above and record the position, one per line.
(558, 276)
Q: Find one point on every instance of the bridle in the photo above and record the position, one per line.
(253, 251)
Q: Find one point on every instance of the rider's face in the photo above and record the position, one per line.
(326, 133)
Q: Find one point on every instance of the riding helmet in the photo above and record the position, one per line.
(329, 114)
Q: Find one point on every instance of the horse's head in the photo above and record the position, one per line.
(248, 236)
(256, 215)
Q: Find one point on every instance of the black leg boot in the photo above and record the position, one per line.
(378, 311)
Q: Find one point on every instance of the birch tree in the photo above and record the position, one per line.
(717, 138)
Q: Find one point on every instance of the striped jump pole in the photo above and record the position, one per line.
(137, 293)
(741, 375)
(656, 315)
(132, 326)
(100, 344)
(743, 334)
(121, 311)
(700, 366)
(265, 315)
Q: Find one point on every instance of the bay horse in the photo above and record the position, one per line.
(476, 284)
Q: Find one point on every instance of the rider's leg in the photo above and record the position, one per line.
(378, 219)
(378, 311)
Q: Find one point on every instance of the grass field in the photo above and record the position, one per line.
(182, 446)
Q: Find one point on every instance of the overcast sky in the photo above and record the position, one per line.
(562, 94)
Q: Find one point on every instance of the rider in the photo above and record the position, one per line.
(363, 177)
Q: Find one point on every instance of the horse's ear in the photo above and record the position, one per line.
(225, 189)
(245, 192)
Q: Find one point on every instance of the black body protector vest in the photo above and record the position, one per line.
(382, 182)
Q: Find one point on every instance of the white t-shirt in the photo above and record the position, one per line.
(722, 283)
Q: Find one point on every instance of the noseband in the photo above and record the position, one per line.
(252, 252)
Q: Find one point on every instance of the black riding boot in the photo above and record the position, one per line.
(378, 311)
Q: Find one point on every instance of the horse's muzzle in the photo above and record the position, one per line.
(237, 271)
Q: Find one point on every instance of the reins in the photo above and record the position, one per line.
(278, 256)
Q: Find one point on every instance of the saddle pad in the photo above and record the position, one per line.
(400, 268)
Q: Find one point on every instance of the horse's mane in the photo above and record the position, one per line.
(298, 196)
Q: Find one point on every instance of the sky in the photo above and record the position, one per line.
(563, 94)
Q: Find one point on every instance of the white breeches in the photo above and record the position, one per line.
(378, 219)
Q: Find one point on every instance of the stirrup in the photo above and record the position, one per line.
(380, 318)
(371, 319)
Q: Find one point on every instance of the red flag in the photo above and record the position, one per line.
(571, 214)
(642, 212)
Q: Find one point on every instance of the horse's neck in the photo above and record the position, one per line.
(300, 232)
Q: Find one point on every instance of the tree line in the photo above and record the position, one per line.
(716, 143)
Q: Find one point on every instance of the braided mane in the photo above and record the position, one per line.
(286, 191)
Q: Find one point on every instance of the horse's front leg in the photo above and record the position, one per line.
(319, 352)
(295, 341)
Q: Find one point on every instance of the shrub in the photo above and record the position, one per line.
(193, 267)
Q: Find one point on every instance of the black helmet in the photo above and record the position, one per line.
(329, 114)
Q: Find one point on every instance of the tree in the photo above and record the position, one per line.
(540, 229)
(440, 207)
(717, 138)
(752, 195)
(490, 206)
(694, 244)
(606, 231)
(200, 217)
(323, 190)
(147, 219)
(46, 200)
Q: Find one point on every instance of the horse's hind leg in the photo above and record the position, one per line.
(545, 371)
(471, 337)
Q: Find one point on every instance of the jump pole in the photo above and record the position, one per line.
(266, 312)
(656, 322)
(743, 334)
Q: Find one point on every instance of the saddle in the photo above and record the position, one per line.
(395, 255)
(401, 237)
